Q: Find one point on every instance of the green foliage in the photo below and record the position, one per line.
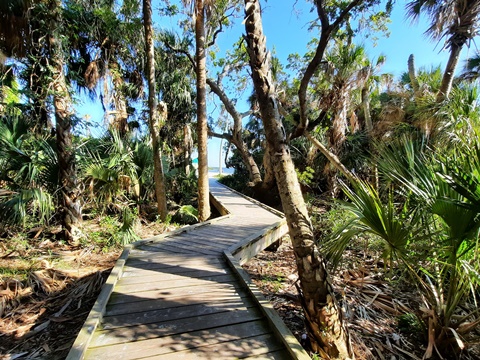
(430, 225)
(111, 175)
(182, 188)
(372, 216)
(305, 177)
(28, 168)
(186, 214)
(126, 234)
(410, 324)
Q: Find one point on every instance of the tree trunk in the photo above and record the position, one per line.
(366, 108)
(336, 139)
(237, 136)
(159, 178)
(413, 75)
(331, 157)
(119, 120)
(449, 73)
(339, 126)
(202, 128)
(187, 147)
(323, 316)
(220, 159)
(71, 209)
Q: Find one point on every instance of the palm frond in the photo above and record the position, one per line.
(16, 206)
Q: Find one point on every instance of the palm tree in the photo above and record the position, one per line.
(199, 11)
(457, 22)
(344, 72)
(28, 172)
(71, 209)
(153, 122)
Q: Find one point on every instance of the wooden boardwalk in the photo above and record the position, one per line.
(184, 296)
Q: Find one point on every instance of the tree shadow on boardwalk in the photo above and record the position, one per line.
(182, 312)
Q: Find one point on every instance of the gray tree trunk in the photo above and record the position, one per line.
(448, 75)
(71, 208)
(327, 333)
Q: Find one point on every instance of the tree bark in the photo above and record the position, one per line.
(71, 208)
(331, 157)
(202, 127)
(413, 75)
(366, 108)
(323, 316)
(448, 75)
(158, 175)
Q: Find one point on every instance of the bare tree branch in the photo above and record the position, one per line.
(184, 52)
(326, 32)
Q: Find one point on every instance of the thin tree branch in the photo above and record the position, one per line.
(184, 52)
(332, 158)
(326, 32)
(225, 136)
(215, 34)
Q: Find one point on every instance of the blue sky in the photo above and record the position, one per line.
(286, 28)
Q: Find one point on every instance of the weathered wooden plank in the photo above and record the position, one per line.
(168, 328)
(186, 291)
(176, 247)
(175, 311)
(167, 276)
(95, 316)
(163, 262)
(251, 200)
(209, 241)
(235, 349)
(171, 284)
(145, 258)
(177, 300)
(195, 339)
(167, 251)
(174, 301)
(251, 246)
(151, 269)
(225, 232)
(193, 247)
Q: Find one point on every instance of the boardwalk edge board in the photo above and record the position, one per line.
(95, 316)
(256, 202)
(222, 209)
(182, 230)
(281, 330)
(252, 245)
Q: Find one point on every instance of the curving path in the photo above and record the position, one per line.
(183, 295)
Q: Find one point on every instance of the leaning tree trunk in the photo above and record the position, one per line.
(237, 136)
(202, 128)
(152, 112)
(71, 209)
(326, 331)
(449, 72)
